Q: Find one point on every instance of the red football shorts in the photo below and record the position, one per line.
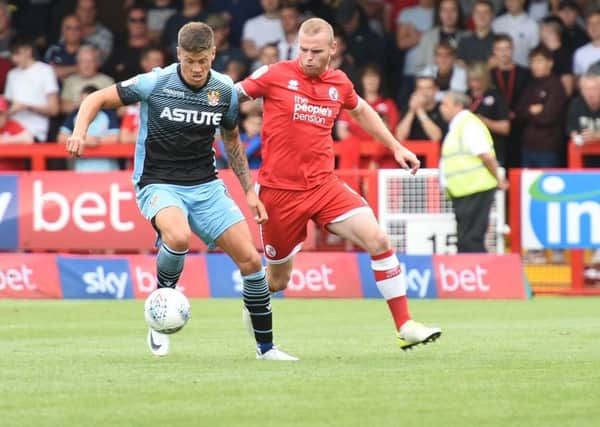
(290, 210)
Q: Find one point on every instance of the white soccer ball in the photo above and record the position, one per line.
(167, 310)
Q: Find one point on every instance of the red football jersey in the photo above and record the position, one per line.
(298, 116)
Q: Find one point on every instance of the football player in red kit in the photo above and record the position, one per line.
(302, 99)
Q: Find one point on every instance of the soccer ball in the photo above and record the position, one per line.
(166, 310)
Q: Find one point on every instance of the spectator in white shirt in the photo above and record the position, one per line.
(588, 54)
(32, 89)
(520, 27)
(262, 29)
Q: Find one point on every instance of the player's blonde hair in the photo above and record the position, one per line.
(314, 26)
(195, 37)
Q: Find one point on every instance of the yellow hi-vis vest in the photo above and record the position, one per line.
(465, 172)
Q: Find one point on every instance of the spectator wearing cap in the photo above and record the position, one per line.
(225, 51)
(588, 54)
(477, 46)
(12, 132)
(520, 27)
(32, 89)
(263, 29)
(62, 56)
(447, 74)
(124, 61)
(574, 36)
(360, 39)
(551, 37)
(290, 22)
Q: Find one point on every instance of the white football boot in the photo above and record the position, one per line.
(158, 343)
(275, 354)
(414, 333)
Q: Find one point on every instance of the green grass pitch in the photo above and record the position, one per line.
(498, 363)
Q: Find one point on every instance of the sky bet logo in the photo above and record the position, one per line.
(560, 210)
(96, 278)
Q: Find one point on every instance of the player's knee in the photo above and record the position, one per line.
(378, 243)
(250, 262)
(279, 280)
(177, 239)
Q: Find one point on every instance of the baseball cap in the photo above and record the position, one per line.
(3, 104)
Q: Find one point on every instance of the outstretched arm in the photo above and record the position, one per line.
(370, 121)
(236, 154)
(104, 98)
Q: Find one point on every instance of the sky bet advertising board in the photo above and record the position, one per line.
(560, 210)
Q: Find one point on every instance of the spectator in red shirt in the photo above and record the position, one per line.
(11, 132)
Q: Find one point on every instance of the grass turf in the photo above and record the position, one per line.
(498, 363)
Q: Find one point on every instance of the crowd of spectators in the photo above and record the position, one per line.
(532, 69)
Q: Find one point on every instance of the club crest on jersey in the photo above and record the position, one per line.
(213, 97)
(333, 93)
(271, 251)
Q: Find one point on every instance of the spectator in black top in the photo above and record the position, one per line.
(63, 55)
(362, 44)
(226, 52)
(551, 29)
(193, 10)
(124, 61)
(6, 31)
(477, 46)
(574, 36)
(490, 106)
(422, 120)
(507, 76)
(343, 61)
(541, 109)
(583, 116)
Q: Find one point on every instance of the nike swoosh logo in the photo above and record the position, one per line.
(154, 346)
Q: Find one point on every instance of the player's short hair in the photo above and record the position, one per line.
(447, 46)
(314, 26)
(459, 98)
(541, 50)
(195, 37)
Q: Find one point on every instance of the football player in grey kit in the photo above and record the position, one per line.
(176, 183)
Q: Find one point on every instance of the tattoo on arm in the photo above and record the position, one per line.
(242, 96)
(237, 157)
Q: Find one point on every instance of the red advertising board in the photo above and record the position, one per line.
(477, 276)
(30, 276)
(193, 281)
(329, 275)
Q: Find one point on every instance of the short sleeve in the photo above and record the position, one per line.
(137, 88)
(257, 84)
(230, 120)
(476, 137)
(350, 99)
